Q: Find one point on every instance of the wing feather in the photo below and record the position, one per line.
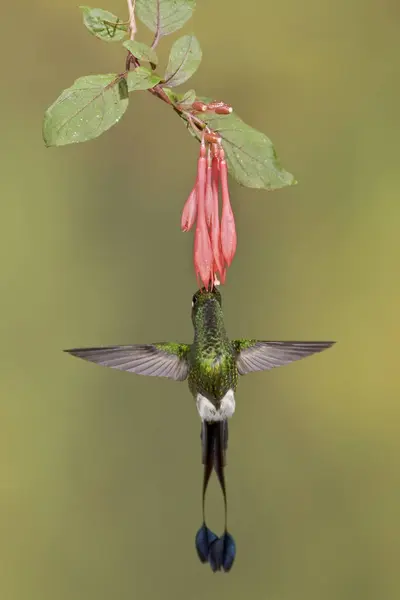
(256, 355)
(163, 359)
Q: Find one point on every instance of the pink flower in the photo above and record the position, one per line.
(203, 257)
(215, 228)
(209, 193)
(228, 229)
(214, 241)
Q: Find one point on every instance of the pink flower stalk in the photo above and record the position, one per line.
(215, 241)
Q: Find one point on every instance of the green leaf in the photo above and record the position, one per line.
(104, 24)
(173, 96)
(164, 16)
(92, 105)
(141, 51)
(142, 79)
(185, 100)
(250, 155)
(184, 60)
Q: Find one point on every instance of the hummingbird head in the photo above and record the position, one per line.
(203, 298)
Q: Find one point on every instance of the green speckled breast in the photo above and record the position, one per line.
(213, 368)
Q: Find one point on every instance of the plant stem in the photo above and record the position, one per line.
(132, 20)
(194, 122)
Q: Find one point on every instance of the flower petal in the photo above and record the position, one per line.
(189, 211)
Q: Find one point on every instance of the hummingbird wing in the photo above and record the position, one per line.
(164, 359)
(255, 355)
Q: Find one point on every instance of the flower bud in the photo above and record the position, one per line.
(199, 106)
(220, 108)
(223, 110)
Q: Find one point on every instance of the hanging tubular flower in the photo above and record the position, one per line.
(215, 228)
(228, 229)
(215, 237)
(209, 197)
(203, 257)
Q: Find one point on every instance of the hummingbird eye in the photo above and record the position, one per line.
(194, 300)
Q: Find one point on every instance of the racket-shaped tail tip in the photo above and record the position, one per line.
(204, 538)
(222, 553)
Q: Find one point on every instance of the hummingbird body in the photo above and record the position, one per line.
(212, 365)
(213, 373)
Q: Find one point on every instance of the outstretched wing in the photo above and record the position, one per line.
(255, 355)
(165, 359)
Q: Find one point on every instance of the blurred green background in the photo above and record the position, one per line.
(100, 470)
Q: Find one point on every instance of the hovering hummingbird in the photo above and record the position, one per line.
(212, 365)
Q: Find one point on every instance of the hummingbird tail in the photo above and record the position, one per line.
(214, 440)
(220, 446)
(207, 445)
(205, 537)
(219, 552)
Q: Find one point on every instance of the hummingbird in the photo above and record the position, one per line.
(212, 365)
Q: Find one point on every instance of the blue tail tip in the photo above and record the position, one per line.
(222, 553)
(204, 539)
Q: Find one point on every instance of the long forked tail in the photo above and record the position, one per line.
(219, 552)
